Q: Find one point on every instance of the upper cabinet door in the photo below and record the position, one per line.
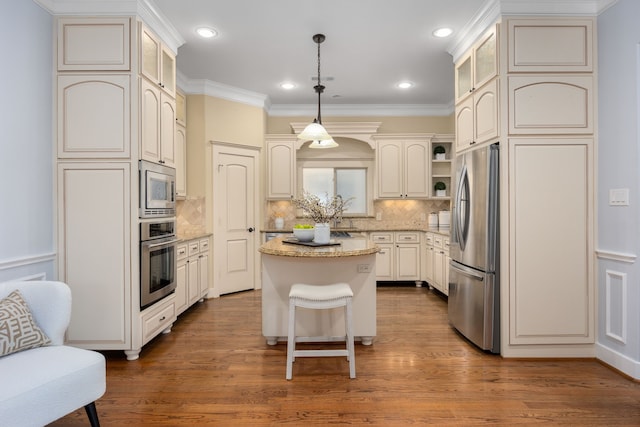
(478, 66)
(390, 169)
(463, 77)
(93, 117)
(157, 62)
(551, 104)
(94, 44)
(485, 65)
(281, 170)
(572, 41)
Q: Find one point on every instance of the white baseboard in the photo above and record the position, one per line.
(618, 361)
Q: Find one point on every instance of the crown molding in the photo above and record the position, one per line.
(220, 90)
(243, 96)
(350, 110)
(145, 9)
(494, 9)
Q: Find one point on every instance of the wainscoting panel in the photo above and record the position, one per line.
(616, 305)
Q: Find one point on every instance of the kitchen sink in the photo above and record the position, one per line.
(340, 234)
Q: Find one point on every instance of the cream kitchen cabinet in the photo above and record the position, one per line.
(156, 319)
(94, 44)
(477, 117)
(157, 129)
(385, 257)
(477, 93)
(551, 104)
(97, 265)
(572, 40)
(181, 161)
(98, 128)
(429, 252)
(403, 167)
(548, 164)
(440, 277)
(93, 116)
(192, 273)
(181, 108)
(181, 145)
(181, 278)
(478, 66)
(281, 168)
(399, 256)
(157, 62)
(560, 238)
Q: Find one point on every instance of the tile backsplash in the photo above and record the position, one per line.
(191, 219)
(392, 214)
(190, 215)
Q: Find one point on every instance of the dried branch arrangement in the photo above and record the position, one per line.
(322, 210)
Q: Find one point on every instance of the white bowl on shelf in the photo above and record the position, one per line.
(304, 234)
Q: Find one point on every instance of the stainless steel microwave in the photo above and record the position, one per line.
(157, 190)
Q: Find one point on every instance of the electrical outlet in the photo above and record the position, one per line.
(364, 268)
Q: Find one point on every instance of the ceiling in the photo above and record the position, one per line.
(370, 46)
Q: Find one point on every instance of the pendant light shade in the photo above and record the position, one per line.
(315, 131)
(327, 143)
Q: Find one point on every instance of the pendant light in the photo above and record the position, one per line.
(315, 131)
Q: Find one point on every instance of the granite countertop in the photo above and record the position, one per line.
(352, 246)
(185, 236)
(443, 231)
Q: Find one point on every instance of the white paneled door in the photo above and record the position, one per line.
(234, 215)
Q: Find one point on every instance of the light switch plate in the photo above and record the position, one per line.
(619, 197)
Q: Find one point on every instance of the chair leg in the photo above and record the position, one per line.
(350, 343)
(291, 338)
(92, 413)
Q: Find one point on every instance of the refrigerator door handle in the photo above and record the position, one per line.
(461, 216)
(455, 266)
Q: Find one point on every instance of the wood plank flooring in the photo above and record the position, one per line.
(215, 369)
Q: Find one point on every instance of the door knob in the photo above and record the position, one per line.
(251, 229)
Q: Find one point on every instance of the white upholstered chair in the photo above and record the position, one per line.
(40, 385)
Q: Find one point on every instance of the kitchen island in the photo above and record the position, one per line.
(351, 261)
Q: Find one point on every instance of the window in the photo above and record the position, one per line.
(348, 182)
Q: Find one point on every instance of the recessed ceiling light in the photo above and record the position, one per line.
(443, 32)
(206, 32)
(287, 86)
(405, 85)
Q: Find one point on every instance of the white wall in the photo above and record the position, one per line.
(26, 209)
(618, 163)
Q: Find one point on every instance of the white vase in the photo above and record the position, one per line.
(441, 193)
(322, 233)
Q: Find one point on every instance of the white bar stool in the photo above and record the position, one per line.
(320, 297)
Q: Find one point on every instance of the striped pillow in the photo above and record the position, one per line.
(18, 330)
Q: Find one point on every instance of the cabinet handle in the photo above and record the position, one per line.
(163, 318)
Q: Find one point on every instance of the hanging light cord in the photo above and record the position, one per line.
(319, 38)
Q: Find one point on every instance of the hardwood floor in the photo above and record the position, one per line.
(215, 369)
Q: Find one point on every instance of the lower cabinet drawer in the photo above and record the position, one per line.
(382, 237)
(154, 322)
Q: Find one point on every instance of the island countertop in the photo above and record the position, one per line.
(351, 246)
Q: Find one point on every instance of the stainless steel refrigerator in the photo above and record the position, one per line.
(474, 285)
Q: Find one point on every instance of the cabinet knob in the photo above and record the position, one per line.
(250, 229)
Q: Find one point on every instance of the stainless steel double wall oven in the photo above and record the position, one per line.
(158, 241)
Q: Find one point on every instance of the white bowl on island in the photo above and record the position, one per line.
(304, 234)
